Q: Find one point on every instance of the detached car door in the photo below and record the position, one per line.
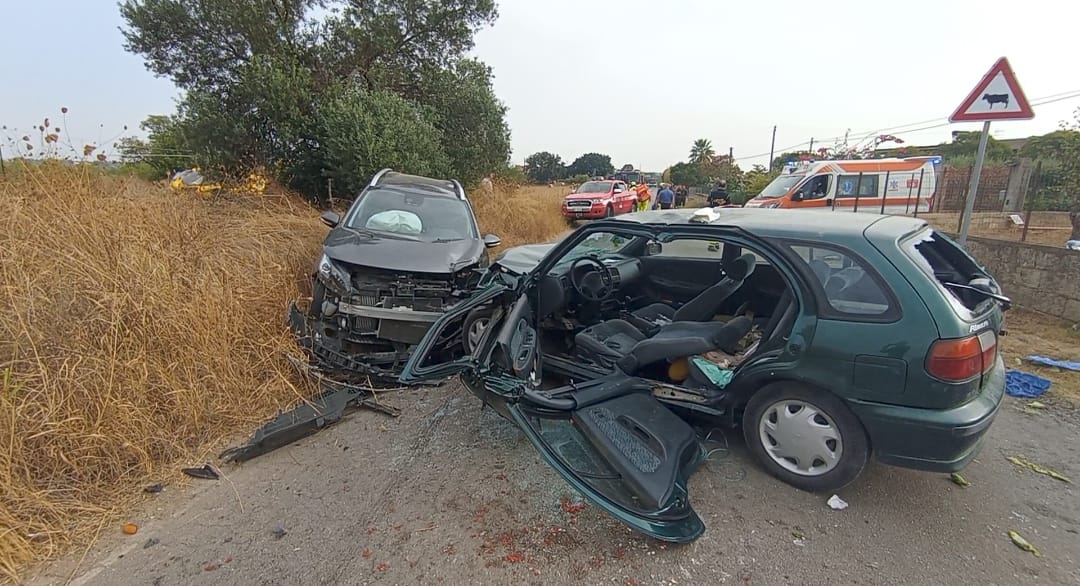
(609, 438)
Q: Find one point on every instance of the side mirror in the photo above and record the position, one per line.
(653, 248)
(330, 218)
(491, 241)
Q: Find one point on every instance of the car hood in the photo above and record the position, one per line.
(401, 255)
(522, 259)
(598, 195)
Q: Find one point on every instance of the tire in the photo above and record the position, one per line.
(318, 295)
(476, 320)
(831, 417)
(610, 213)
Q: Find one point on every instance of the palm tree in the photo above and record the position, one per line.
(701, 151)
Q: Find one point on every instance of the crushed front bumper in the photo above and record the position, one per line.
(341, 352)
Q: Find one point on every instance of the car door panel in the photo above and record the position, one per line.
(680, 279)
(626, 452)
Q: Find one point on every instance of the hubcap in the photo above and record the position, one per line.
(800, 437)
(476, 330)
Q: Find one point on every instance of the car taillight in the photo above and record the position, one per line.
(962, 359)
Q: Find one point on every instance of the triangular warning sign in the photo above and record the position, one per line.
(997, 97)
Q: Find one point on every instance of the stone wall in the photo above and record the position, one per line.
(1034, 276)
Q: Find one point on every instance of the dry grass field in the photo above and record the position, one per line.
(140, 328)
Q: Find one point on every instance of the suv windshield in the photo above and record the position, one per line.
(594, 187)
(411, 215)
(780, 186)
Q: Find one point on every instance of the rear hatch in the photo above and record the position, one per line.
(968, 307)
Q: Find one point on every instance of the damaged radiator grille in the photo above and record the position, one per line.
(391, 290)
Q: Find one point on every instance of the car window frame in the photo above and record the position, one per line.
(825, 309)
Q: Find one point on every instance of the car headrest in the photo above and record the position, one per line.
(741, 267)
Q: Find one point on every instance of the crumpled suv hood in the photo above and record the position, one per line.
(400, 254)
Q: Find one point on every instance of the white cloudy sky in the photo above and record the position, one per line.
(636, 79)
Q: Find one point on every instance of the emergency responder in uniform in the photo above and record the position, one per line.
(642, 194)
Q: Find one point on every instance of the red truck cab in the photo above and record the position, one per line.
(599, 199)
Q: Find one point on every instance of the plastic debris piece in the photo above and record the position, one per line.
(959, 480)
(1036, 405)
(717, 376)
(1025, 385)
(130, 529)
(1023, 543)
(836, 503)
(153, 488)
(1025, 463)
(1047, 361)
(205, 472)
(280, 532)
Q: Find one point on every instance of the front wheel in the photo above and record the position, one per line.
(474, 326)
(806, 437)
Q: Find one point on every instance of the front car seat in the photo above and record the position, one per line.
(618, 343)
(702, 307)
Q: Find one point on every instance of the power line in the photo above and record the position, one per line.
(939, 124)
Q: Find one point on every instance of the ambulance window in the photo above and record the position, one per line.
(867, 187)
(816, 187)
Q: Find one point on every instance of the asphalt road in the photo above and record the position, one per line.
(450, 494)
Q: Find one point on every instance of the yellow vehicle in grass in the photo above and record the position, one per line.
(192, 180)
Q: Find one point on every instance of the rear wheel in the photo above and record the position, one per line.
(806, 437)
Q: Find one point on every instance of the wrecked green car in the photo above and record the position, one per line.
(828, 339)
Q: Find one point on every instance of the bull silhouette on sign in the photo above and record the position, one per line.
(996, 99)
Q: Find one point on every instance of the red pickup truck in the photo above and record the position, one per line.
(599, 199)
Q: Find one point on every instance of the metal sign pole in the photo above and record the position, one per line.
(973, 191)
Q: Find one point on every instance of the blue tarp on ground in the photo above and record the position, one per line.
(1024, 384)
(1047, 361)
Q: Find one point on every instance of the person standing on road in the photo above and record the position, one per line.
(666, 198)
(680, 196)
(642, 194)
(719, 195)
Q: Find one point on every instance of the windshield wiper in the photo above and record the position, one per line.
(442, 240)
(999, 298)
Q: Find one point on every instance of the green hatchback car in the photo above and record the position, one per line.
(828, 337)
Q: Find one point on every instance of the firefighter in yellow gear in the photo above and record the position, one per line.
(643, 195)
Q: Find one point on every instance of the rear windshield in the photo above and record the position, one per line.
(941, 258)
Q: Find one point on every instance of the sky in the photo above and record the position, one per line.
(638, 80)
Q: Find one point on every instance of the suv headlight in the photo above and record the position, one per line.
(334, 277)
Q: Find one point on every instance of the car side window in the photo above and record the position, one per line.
(687, 248)
(849, 287)
(849, 185)
(619, 188)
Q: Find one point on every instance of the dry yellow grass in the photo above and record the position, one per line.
(1035, 333)
(522, 215)
(138, 329)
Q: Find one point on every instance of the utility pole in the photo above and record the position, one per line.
(811, 146)
(731, 153)
(772, 148)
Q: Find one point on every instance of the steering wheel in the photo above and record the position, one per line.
(591, 279)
